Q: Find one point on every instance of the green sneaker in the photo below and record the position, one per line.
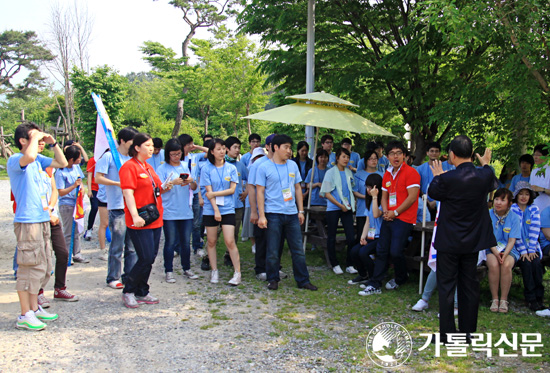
(30, 322)
(43, 315)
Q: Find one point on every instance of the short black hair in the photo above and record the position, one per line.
(320, 152)
(301, 144)
(68, 143)
(462, 147)
(280, 140)
(504, 192)
(211, 146)
(72, 152)
(172, 145)
(184, 139)
(139, 139)
(325, 138)
(126, 134)
(395, 144)
(368, 154)
(347, 140)
(254, 136)
(230, 141)
(22, 132)
(207, 136)
(379, 145)
(340, 151)
(542, 149)
(157, 142)
(527, 158)
(433, 144)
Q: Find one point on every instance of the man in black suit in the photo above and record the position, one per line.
(463, 229)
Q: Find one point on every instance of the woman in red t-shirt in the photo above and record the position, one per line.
(141, 186)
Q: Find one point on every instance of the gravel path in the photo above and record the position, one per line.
(196, 327)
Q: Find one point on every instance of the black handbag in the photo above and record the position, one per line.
(149, 213)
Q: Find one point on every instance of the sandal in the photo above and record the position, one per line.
(494, 306)
(503, 308)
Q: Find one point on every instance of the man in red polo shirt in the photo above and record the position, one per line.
(400, 189)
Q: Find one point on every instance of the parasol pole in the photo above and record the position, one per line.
(422, 242)
(310, 68)
(310, 191)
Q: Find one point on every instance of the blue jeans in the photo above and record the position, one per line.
(393, 239)
(146, 242)
(197, 223)
(119, 241)
(278, 227)
(361, 260)
(177, 235)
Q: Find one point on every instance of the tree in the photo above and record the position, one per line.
(70, 30)
(387, 57)
(107, 83)
(21, 51)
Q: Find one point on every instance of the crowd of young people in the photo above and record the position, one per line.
(184, 190)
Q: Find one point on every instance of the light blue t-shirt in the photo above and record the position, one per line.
(252, 174)
(192, 162)
(331, 160)
(242, 173)
(276, 178)
(28, 188)
(245, 159)
(516, 179)
(375, 223)
(510, 229)
(354, 159)
(156, 160)
(318, 177)
(177, 202)
(102, 194)
(345, 192)
(360, 178)
(106, 165)
(64, 178)
(544, 223)
(220, 178)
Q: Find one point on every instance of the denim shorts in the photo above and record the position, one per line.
(514, 253)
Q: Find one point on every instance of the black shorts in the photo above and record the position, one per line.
(209, 221)
(101, 204)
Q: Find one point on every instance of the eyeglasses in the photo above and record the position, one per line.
(178, 154)
(395, 154)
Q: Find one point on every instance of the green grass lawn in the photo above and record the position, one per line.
(336, 317)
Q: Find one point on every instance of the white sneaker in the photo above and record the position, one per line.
(421, 305)
(236, 280)
(351, 270)
(543, 313)
(282, 275)
(370, 290)
(170, 279)
(115, 285)
(88, 235)
(254, 249)
(190, 275)
(30, 322)
(214, 276)
(392, 285)
(455, 313)
(43, 315)
(43, 301)
(201, 253)
(104, 255)
(337, 270)
(262, 276)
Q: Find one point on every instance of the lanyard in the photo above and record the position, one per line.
(218, 172)
(150, 176)
(287, 177)
(395, 180)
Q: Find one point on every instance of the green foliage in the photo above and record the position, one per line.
(21, 51)
(110, 86)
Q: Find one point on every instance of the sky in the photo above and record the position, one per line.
(120, 27)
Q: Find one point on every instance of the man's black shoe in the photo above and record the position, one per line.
(536, 306)
(273, 285)
(205, 264)
(309, 286)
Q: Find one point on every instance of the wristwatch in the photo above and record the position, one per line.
(300, 212)
(396, 213)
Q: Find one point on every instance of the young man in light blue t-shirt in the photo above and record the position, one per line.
(280, 210)
(32, 221)
(106, 173)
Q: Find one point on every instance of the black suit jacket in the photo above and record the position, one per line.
(464, 224)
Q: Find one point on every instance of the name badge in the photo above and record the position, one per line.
(501, 246)
(346, 203)
(393, 199)
(287, 195)
(371, 233)
(44, 201)
(220, 201)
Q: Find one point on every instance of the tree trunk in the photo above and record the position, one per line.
(179, 117)
(248, 120)
(419, 152)
(206, 115)
(185, 45)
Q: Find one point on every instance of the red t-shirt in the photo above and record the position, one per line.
(91, 168)
(405, 178)
(137, 176)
